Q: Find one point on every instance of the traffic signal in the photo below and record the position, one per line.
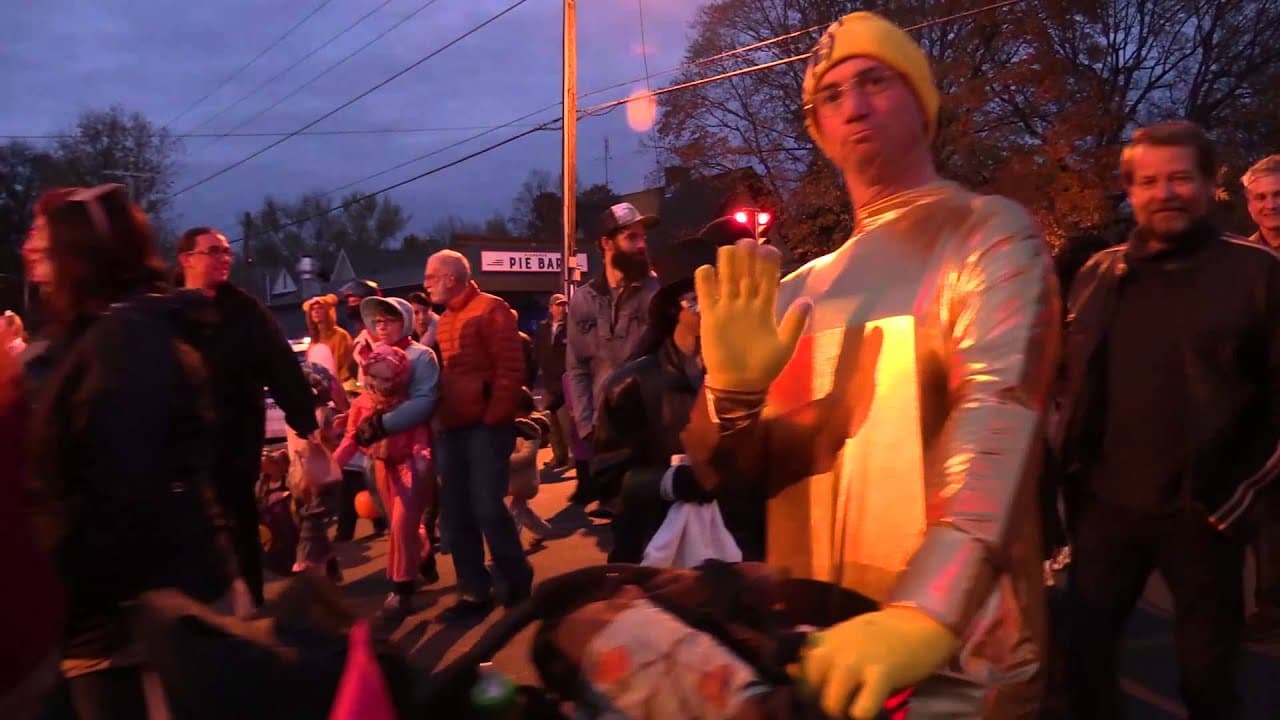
(755, 219)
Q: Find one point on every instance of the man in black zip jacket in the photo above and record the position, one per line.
(1169, 427)
(245, 352)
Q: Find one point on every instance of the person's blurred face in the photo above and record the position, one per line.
(380, 378)
(558, 311)
(420, 315)
(208, 264)
(1263, 195)
(868, 118)
(35, 253)
(627, 251)
(689, 320)
(1166, 189)
(440, 281)
(388, 329)
(317, 313)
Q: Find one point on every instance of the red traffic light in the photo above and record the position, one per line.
(763, 218)
(741, 216)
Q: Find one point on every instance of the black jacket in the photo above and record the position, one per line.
(122, 456)
(246, 352)
(646, 405)
(549, 354)
(1231, 366)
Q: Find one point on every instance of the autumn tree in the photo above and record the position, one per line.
(1038, 97)
(280, 232)
(537, 210)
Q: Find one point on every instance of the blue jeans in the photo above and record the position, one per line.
(477, 467)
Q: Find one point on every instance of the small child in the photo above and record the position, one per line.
(523, 483)
(314, 476)
(401, 464)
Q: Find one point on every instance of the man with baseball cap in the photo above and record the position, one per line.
(549, 351)
(893, 415)
(608, 315)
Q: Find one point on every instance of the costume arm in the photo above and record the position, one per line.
(1002, 313)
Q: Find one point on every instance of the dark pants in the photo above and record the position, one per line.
(113, 694)
(1266, 548)
(236, 484)
(559, 436)
(477, 470)
(1114, 553)
(642, 514)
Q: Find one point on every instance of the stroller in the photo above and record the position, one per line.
(752, 620)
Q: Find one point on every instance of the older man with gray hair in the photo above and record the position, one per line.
(1262, 193)
(482, 371)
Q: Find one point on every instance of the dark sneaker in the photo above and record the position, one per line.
(430, 575)
(333, 570)
(467, 610)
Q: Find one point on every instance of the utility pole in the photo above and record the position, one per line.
(130, 181)
(569, 145)
(607, 156)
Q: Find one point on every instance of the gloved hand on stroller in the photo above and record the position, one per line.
(720, 641)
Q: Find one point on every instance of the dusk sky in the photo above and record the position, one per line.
(59, 57)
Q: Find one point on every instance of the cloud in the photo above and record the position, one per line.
(60, 57)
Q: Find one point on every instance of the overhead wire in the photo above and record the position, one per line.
(352, 101)
(333, 38)
(249, 64)
(605, 107)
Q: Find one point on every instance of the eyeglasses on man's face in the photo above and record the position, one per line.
(831, 99)
(213, 252)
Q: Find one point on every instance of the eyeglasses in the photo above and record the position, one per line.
(380, 320)
(213, 252)
(829, 100)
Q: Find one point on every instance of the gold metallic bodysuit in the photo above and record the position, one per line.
(900, 449)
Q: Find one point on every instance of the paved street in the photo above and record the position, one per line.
(1149, 678)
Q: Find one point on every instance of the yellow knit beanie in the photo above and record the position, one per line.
(866, 34)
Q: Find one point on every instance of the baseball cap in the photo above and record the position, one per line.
(558, 299)
(623, 215)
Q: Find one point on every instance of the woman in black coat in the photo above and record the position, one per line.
(121, 444)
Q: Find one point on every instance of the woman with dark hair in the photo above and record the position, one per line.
(646, 405)
(245, 351)
(121, 444)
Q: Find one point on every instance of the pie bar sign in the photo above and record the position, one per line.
(525, 261)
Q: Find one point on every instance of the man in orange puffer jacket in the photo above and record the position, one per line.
(482, 371)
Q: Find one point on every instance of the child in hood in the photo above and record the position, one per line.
(313, 475)
(389, 423)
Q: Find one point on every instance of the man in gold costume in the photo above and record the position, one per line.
(893, 416)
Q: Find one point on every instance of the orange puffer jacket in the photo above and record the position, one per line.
(482, 362)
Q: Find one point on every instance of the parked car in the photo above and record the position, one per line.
(277, 429)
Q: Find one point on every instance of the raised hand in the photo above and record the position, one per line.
(743, 345)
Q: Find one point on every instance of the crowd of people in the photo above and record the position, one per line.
(909, 417)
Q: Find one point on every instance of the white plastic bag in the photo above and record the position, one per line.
(691, 534)
(310, 465)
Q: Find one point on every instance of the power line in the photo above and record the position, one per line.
(605, 107)
(355, 99)
(281, 133)
(249, 64)
(292, 93)
(285, 71)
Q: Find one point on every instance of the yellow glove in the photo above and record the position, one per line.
(855, 666)
(743, 345)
